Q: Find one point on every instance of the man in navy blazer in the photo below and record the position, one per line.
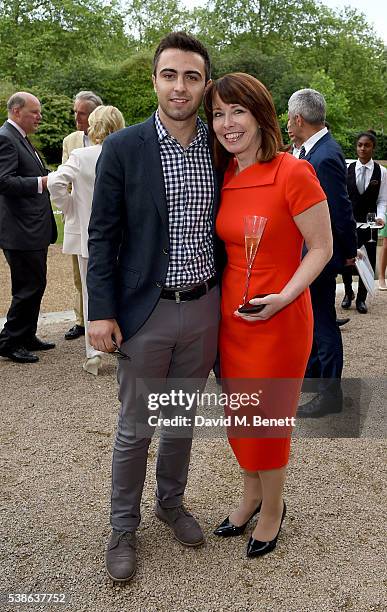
(27, 227)
(152, 284)
(307, 111)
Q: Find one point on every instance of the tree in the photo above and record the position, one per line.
(148, 21)
(338, 115)
(38, 36)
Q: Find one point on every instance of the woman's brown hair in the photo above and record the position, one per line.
(246, 90)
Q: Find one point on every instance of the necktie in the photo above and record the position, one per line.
(361, 180)
(302, 153)
(33, 150)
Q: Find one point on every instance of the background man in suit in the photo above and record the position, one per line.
(151, 281)
(27, 227)
(84, 104)
(295, 151)
(307, 110)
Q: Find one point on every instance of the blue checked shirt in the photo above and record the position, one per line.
(189, 190)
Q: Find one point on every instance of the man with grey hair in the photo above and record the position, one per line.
(306, 114)
(27, 227)
(84, 104)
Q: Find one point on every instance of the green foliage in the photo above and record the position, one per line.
(337, 105)
(150, 20)
(276, 71)
(127, 85)
(57, 122)
(55, 48)
(7, 88)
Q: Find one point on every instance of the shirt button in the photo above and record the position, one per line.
(166, 251)
(159, 284)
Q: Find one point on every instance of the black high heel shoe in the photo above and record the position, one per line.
(228, 530)
(255, 548)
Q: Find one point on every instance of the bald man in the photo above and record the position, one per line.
(27, 227)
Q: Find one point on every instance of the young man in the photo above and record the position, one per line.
(151, 281)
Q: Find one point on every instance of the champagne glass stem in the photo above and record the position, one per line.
(248, 275)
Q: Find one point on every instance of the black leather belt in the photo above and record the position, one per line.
(185, 295)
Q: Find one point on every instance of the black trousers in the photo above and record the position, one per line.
(363, 237)
(28, 279)
(326, 358)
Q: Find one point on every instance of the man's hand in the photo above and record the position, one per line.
(350, 262)
(101, 335)
(44, 182)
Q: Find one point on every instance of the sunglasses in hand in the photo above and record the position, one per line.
(119, 352)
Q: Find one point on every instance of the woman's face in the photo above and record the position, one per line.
(365, 149)
(236, 129)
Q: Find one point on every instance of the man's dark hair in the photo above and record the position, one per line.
(184, 42)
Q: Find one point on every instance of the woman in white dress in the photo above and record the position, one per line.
(71, 188)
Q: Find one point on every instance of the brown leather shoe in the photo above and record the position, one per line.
(185, 527)
(120, 557)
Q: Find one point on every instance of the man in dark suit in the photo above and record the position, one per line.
(27, 227)
(152, 284)
(307, 110)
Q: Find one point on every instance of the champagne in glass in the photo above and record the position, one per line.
(254, 227)
(371, 222)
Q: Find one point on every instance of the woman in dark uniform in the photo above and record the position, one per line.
(367, 189)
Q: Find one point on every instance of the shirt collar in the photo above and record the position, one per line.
(16, 126)
(308, 144)
(162, 132)
(369, 165)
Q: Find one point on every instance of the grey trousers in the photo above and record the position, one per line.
(177, 341)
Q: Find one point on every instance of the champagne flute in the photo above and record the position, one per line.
(254, 227)
(371, 222)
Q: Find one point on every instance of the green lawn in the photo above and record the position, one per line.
(59, 225)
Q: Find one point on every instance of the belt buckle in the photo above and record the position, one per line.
(177, 297)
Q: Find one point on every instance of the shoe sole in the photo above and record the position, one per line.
(175, 536)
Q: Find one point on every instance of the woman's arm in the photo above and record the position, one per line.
(59, 183)
(314, 224)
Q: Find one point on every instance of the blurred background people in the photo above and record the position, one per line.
(295, 151)
(306, 113)
(79, 172)
(367, 189)
(84, 104)
(27, 227)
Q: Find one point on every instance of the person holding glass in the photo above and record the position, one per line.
(367, 190)
(79, 172)
(274, 343)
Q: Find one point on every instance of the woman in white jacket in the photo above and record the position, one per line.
(79, 173)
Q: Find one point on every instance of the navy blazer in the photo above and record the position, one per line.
(129, 229)
(328, 161)
(26, 219)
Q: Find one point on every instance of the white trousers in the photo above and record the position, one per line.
(90, 351)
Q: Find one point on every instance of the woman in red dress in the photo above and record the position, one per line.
(274, 343)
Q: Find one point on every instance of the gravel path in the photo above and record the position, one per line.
(56, 438)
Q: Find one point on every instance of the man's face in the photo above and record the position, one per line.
(29, 116)
(179, 83)
(82, 110)
(295, 129)
(295, 140)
